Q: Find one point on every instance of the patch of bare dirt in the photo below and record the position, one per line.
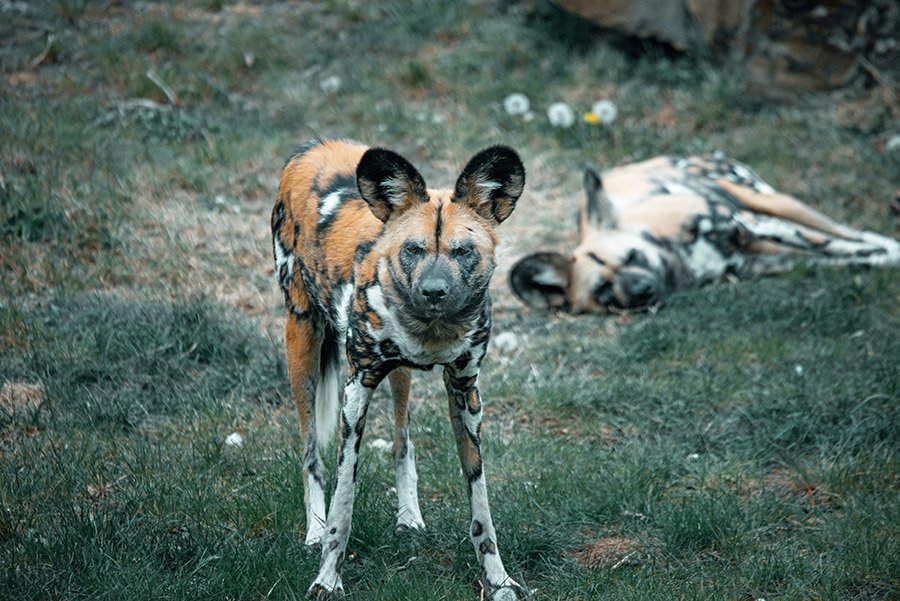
(812, 496)
(608, 553)
(16, 396)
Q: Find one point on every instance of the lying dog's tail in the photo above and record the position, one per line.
(328, 392)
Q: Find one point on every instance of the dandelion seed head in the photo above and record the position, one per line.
(331, 84)
(560, 114)
(516, 104)
(606, 110)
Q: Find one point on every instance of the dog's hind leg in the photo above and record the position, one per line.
(769, 233)
(303, 344)
(786, 208)
(408, 512)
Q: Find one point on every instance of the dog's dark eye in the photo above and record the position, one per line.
(603, 292)
(413, 248)
(463, 250)
(636, 257)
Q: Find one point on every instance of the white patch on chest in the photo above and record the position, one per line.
(411, 347)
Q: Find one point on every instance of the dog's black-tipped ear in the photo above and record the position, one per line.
(491, 183)
(389, 183)
(598, 210)
(542, 279)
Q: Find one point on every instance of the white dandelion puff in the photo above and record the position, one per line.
(234, 440)
(516, 104)
(606, 110)
(331, 84)
(561, 114)
(506, 342)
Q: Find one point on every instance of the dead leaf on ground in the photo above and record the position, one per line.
(24, 78)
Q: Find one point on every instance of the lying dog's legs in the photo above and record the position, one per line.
(408, 513)
(303, 350)
(465, 417)
(860, 248)
(340, 513)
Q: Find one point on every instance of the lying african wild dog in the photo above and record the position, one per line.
(371, 261)
(666, 224)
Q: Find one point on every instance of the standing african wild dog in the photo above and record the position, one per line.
(372, 262)
(648, 229)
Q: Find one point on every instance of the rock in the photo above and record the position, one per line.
(782, 46)
(234, 440)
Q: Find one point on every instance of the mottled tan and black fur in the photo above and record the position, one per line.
(374, 265)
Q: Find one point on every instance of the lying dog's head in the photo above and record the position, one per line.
(438, 246)
(611, 269)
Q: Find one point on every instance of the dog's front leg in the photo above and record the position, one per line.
(465, 417)
(340, 513)
(409, 516)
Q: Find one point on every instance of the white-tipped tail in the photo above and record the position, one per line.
(328, 406)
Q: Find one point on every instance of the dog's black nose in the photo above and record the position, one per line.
(435, 289)
(639, 290)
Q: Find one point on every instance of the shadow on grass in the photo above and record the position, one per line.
(108, 361)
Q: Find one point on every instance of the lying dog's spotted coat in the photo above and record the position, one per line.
(669, 223)
(371, 261)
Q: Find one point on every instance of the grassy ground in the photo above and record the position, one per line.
(740, 444)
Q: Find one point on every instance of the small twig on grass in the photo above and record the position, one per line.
(407, 564)
(159, 83)
(876, 73)
(622, 561)
(142, 103)
(269, 594)
(40, 58)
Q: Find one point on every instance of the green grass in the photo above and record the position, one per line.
(735, 474)
(743, 441)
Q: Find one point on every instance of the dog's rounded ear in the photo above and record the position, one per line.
(541, 280)
(389, 183)
(491, 183)
(598, 210)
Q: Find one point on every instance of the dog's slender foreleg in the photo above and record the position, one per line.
(465, 417)
(340, 513)
(408, 513)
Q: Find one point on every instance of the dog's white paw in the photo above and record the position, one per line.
(322, 591)
(510, 591)
(409, 524)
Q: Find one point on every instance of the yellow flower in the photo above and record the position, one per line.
(591, 118)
